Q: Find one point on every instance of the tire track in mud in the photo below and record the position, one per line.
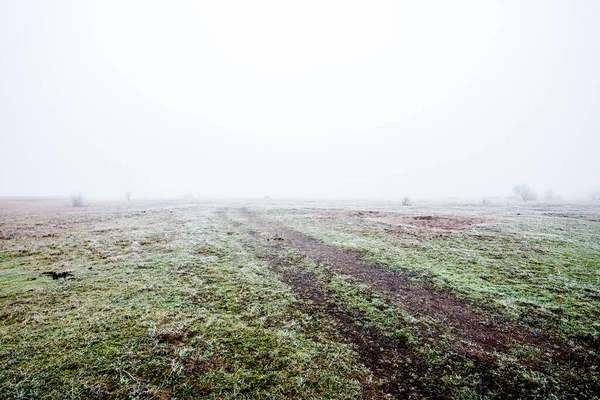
(476, 334)
(382, 355)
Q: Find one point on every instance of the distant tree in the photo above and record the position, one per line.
(77, 200)
(128, 195)
(486, 201)
(525, 192)
(406, 201)
(596, 194)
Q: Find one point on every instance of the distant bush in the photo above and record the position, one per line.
(77, 200)
(486, 201)
(525, 192)
(406, 201)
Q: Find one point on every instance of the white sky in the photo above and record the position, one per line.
(308, 98)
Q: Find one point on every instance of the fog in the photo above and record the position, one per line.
(312, 99)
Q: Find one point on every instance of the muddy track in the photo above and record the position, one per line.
(476, 333)
(382, 355)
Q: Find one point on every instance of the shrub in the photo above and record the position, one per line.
(77, 200)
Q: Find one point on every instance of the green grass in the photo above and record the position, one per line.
(194, 315)
(177, 301)
(542, 271)
(435, 363)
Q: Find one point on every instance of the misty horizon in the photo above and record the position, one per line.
(299, 100)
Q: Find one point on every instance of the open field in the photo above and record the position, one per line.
(310, 300)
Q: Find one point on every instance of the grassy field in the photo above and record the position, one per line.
(310, 300)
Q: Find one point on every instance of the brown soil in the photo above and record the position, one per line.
(426, 221)
(44, 207)
(433, 222)
(475, 332)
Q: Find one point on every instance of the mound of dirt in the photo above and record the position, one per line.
(435, 222)
(427, 221)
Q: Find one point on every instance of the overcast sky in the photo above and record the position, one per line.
(299, 98)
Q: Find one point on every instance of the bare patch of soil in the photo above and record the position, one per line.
(435, 222)
(40, 207)
(426, 221)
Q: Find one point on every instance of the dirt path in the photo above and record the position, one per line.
(382, 355)
(476, 334)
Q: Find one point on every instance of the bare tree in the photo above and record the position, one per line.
(77, 200)
(406, 201)
(525, 192)
(128, 195)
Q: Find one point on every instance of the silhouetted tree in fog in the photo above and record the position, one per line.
(77, 200)
(525, 192)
